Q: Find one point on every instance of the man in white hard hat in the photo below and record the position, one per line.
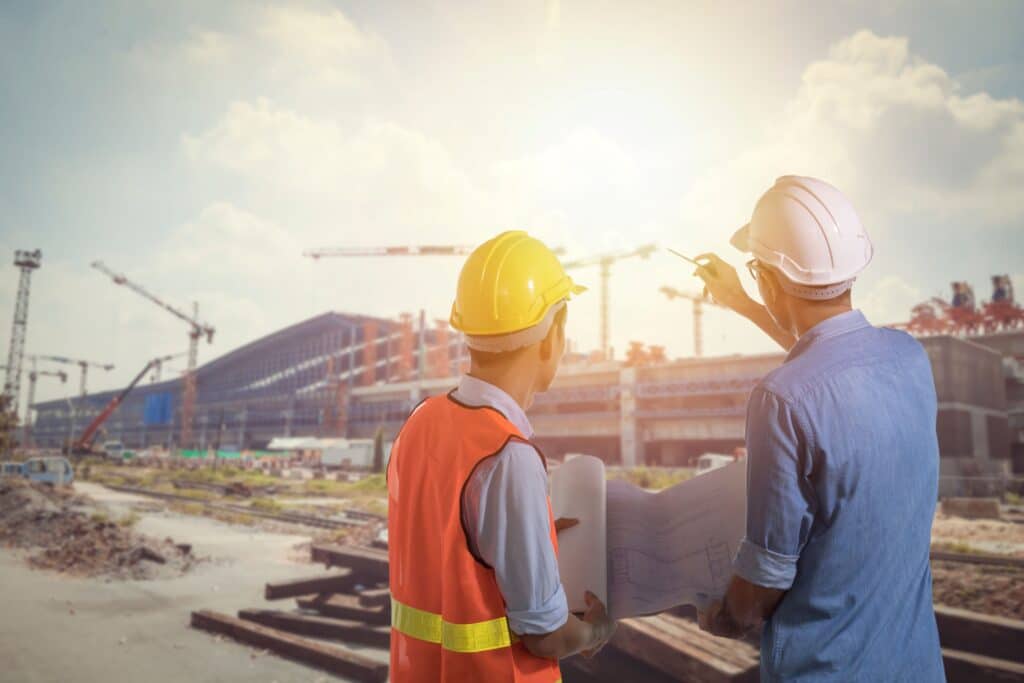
(842, 458)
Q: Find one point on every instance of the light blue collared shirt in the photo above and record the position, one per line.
(842, 480)
(505, 514)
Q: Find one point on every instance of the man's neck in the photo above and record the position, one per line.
(511, 380)
(808, 318)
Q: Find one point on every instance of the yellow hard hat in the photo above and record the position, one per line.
(509, 284)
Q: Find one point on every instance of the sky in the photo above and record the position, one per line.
(200, 148)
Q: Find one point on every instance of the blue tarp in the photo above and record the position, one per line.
(159, 409)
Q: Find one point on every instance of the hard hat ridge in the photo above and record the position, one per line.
(808, 231)
(507, 285)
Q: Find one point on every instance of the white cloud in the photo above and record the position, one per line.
(889, 300)
(889, 129)
(393, 180)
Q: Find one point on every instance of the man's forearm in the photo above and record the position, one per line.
(574, 636)
(759, 315)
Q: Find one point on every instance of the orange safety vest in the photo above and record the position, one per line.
(448, 619)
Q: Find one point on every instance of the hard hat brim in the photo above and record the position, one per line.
(741, 239)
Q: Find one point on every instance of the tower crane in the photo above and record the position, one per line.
(83, 365)
(698, 313)
(417, 250)
(158, 364)
(26, 261)
(197, 329)
(605, 261)
(34, 375)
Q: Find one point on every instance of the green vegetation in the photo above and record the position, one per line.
(655, 478)
(956, 547)
(372, 485)
(266, 505)
(128, 521)
(99, 518)
(1011, 498)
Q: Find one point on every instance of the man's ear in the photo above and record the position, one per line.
(547, 344)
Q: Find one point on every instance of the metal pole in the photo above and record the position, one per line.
(606, 273)
(85, 371)
(698, 334)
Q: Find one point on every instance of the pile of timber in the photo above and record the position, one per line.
(341, 624)
(341, 621)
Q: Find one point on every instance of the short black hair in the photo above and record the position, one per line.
(490, 359)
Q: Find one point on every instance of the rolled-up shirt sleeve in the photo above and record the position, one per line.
(505, 513)
(780, 509)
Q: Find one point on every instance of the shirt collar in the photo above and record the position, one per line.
(828, 328)
(475, 392)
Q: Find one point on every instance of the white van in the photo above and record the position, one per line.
(712, 461)
(114, 450)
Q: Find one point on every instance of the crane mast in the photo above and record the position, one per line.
(26, 261)
(605, 261)
(197, 330)
(698, 314)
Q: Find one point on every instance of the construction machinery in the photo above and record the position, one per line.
(158, 364)
(606, 261)
(197, 330)
(698, 314)
(417, 250)
(962, 315)
(83, 444)
(33, 376)
(83, 365)
(26, 261)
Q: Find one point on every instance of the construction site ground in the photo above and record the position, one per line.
(112, 623)
(58, 627)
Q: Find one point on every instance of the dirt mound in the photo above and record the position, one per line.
(64, 538)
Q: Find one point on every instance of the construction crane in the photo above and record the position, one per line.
(158, 364)
(83, 365)
(605, 261)
(698, 314)
(26, 261)
(419, 250)
(83, 444)
(34, 375)
(197, 329)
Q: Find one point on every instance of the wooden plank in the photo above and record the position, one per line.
(682, 650)
(320, 627)
(973, 558)
(346, 607)
(375, 597)
(964, 667)
(610, 666)
(331, 658)
(340, 582)
(981, 634)
(369, 563)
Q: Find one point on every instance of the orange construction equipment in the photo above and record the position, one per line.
(448, 620)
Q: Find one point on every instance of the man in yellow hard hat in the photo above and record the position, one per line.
(476, 593)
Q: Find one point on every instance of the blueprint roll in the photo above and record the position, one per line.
(648, 551)
(578, 492)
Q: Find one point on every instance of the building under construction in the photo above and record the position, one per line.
(348, 375)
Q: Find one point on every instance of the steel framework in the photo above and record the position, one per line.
(26, 261)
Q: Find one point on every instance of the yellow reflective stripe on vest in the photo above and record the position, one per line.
(477, 637)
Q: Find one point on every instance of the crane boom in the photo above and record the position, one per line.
(698, 313)
(606, 261)
(416, 250)
(197, 329)
(84, 442)
(120, 279)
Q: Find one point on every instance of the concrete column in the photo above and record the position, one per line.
(630, 445)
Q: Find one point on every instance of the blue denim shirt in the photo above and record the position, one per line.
(843, 464)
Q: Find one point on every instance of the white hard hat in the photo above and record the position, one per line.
(808, 231)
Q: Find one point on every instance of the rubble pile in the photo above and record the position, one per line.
(998, 591)
(61, 536)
